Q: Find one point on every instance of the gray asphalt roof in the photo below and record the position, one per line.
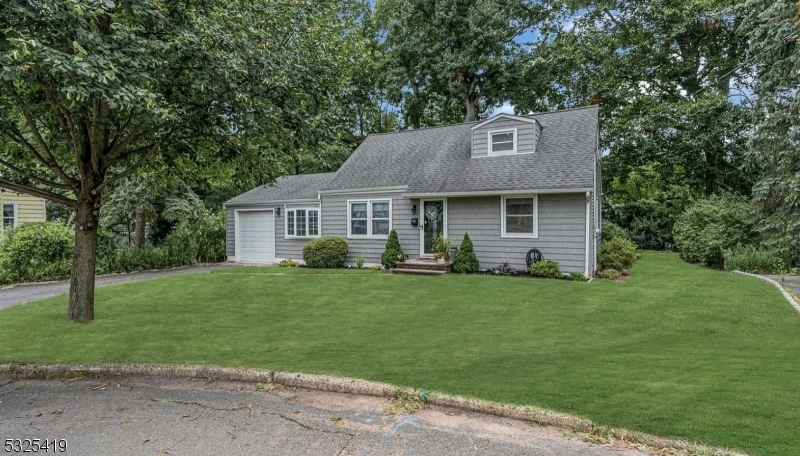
(300, 187)
(438, 160)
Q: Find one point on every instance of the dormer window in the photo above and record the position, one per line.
(502, 142)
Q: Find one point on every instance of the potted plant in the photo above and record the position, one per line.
(441, 249)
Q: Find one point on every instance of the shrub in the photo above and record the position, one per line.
(610, 274)
(360, 261)
(612, 231)
(35, 252)
(193, 242)
(713, 225)
(131, 259)
(618, 253)
(288, 263)
(392, 253)
(465, 261)
(325, 252)
(754, 260)
(577, 277)
(547, 269)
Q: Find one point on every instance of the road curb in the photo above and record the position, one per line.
(792, 301)
(355, 386)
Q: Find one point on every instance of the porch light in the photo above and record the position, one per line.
(414, 209)
(278, 211)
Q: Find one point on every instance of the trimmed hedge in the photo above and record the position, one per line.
(618, 253)
(548, 269)
(465, 261)
(326, 252)
(610, 274)
(35, 252)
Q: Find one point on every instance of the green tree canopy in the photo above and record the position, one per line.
(93, 90)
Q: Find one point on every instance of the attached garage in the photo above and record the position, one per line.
(255, 236)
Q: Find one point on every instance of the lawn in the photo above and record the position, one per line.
(678, 350)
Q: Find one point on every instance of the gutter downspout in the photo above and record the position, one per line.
(588, 214)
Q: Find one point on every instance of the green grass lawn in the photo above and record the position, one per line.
(678, 350)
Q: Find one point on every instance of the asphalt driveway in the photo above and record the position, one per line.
(138, 416)
(34, 292)
(791, 282)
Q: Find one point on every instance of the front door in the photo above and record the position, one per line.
(434, 217)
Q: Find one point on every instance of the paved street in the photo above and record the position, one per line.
(137, 416)
(34, 292)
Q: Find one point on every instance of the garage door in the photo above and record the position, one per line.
(256, 237)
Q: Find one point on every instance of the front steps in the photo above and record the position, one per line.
(422, 267)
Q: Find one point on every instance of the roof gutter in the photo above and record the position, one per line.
(356, 191)
(498, 192)
(270, 203)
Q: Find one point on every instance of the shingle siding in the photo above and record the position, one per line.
(334, 223)
(562, 230)
(526, 136)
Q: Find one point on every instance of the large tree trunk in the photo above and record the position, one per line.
(141, 224)
(81, 289)
(472, 113)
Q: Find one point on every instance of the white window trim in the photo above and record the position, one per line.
(535, 234)
(489, 148)
(286, 234)
(369, 234)
(16, 215)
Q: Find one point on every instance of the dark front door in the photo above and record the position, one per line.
(433, 224)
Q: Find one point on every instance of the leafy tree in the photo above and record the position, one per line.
(451, 59)
(669, 79)
(773, 29)
(93, 90)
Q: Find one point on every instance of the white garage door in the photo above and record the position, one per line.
(256, 237)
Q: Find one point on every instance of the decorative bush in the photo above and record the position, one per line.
(326, 252)
(465, 261)
(712, 225)
(392, 253)
(360, 261)
(193, 242)
(546, 269)
(610, 274)
(288, 263)
(754, 260)
(577, 277)
(612, 231)
(618, 253)
(35, 252)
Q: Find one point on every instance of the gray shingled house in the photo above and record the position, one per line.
(512, 182)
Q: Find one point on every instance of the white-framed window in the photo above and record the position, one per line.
(369, 218)
(9, 215)
(502, 142)
(302, 222)
(520, 216)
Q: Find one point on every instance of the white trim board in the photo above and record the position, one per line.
(504, 116)
(270, 203)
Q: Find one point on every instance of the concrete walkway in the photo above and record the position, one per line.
(37, 291)
(141, 416)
